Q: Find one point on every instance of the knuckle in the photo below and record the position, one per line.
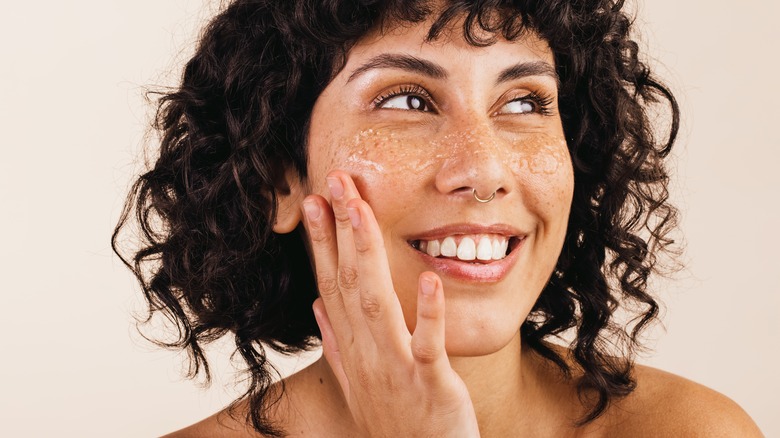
(348, 277)
(328, 286)
(363, 375)
(429, 314)
(425, 354)
(342, 219)
(318, 235)
(371, 307)
(362, 247)
(389, 382)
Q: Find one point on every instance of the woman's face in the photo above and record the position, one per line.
(420, 125)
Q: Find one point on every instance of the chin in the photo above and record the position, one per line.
(480, 320)
(475, 333)
(475, 343)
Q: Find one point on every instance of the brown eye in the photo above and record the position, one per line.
(406, 102)
(531, 103)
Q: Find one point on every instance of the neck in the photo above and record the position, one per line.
(497, 383)
(512, 389)
(515, 390)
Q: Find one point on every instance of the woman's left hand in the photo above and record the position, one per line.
(395, 383)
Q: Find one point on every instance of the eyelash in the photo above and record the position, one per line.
(541, 101)
(411, 89)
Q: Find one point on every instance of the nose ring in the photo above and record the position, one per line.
(482, 200)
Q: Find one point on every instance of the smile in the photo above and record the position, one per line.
(470, 253)
(468, 247)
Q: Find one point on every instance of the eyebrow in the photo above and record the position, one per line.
(523, 69)
(402, 62)
(416, 65)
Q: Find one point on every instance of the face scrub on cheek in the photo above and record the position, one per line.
(384, 152)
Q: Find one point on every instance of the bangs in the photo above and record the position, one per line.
(482, 21)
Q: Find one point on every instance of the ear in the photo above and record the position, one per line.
(288, 205)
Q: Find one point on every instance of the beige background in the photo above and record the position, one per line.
(71, 126)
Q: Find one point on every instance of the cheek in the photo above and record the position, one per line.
(541, 155)
(380, 162)
(544, 164)
(388, 153)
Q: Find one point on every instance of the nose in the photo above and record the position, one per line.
(475, 165)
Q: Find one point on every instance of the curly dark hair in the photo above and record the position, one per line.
(211, 264)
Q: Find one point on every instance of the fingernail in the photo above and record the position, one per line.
(428, 286)
(312, 209)
(354, 216)
(336, 188)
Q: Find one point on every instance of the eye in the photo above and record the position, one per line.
(406, 102)
(529, 104)
(408, 98)
(519, 107)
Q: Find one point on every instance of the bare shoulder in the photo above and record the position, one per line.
(665, 404)
(303, 408)
(220, 425)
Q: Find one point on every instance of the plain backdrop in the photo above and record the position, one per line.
(72, 126)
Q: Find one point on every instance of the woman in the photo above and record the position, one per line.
(448, 186)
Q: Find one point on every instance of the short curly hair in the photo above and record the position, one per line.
(209, 261)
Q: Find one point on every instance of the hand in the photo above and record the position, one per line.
(396, 384)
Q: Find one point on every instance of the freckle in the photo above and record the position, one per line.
(395, 154)
(321, 381)
(539, 155)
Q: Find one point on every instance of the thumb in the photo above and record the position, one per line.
(428, 348)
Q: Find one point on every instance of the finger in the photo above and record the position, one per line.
(330, 346)
(349, 276)
(428, 348)
(378, 301)
(322, 237)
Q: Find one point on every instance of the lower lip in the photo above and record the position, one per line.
(473, 272)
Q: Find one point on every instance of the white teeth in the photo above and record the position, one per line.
(467, 250)
(497, 253)
(488, 247)
(485, 249)
(448, 247)
(434, 248)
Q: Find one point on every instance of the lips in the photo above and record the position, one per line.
(469, 252)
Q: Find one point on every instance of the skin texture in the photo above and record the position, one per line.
(403, 162)
(403, 359)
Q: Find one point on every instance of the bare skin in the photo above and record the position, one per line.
(419, 346)
(663, 405)
(511, 392)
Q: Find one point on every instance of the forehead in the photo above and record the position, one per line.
(448, 56)
(451, 43)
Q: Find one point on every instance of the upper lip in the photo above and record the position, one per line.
(467, 228)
